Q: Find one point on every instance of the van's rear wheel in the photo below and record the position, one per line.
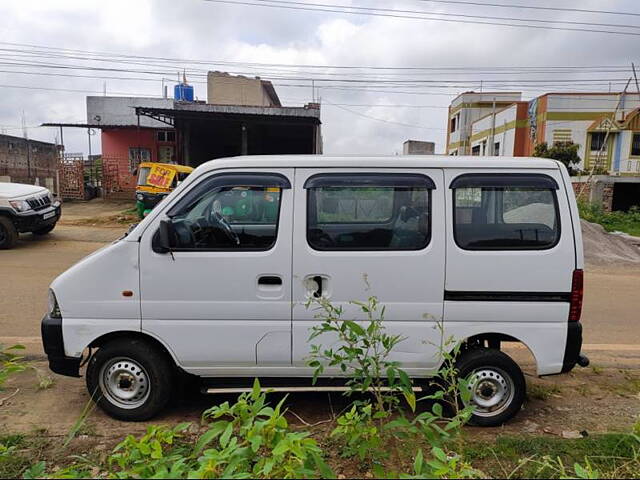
(132, 379)
(496, 385)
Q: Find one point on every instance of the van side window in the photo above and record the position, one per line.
(368, 212)
(228, 216)
(505, 214)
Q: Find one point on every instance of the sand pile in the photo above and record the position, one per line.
(602, 249)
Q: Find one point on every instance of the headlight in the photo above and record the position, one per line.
(54, 309)
(140, 197)
(20, 205)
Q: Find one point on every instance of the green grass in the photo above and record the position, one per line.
(614, 455)
(542, 392)
(628, 222)
(14, 463)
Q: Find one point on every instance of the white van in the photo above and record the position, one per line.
(214, 281)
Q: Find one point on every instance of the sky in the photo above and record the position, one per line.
(364, 110)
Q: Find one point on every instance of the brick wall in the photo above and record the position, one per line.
(595, 192)
(28, 161)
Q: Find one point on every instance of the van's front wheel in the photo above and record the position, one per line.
(496, 385)
(130, 379)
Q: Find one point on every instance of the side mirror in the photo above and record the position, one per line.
(163, 245)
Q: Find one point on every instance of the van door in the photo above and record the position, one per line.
(367, 232)
(221, 300)
(510, 258)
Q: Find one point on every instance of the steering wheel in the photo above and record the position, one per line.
(226, 228)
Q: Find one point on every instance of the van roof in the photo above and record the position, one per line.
(372, 161)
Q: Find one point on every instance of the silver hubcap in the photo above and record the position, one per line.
(125, 383)
(492, 391)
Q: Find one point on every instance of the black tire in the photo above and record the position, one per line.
(8, 233)
(153, 371)
(45, 230)
(498, 371)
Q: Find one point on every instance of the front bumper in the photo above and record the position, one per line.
(573, 347)
(53, 344)
(28, 222)
(150, 200)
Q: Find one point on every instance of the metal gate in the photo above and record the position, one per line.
(71, 176)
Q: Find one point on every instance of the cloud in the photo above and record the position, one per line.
(196, 29)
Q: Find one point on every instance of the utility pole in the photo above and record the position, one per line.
(635, 76)
(493, 128)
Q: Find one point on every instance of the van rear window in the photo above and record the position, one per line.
(505, 218)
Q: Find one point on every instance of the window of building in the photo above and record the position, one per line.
(11, 146)
(390, 212)
(475, 151)
(635, 144)
(232, 213)
(598, 141)
(454, 123)
(166, 136)
(496, 149)
(513, 212)
(137, 156)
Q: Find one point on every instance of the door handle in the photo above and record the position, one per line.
(270, 280)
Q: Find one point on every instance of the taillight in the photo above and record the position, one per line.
(577, 291)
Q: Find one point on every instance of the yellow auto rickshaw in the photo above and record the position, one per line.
(156, 181)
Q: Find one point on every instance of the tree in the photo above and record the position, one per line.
(566, 152)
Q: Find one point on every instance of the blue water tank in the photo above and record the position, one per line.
(183, 92)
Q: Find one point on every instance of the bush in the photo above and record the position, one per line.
(248, 439)
(628, 222)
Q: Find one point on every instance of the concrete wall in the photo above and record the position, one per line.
(468, 108)
(417, 147)
(225, 89)
(121, 111)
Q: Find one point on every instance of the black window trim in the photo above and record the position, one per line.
(513, 248)
(380, 177)
(373, 179)
(497, 180)
(255, 179)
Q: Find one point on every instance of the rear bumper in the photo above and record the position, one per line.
(53, 343)
(573, 347)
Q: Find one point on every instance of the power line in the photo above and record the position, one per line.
(458, 15)
(360, 114)
(46, 48)
(332, 8)
(532, 7)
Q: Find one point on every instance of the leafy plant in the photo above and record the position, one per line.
(256, 439)
(359, 432)
(362, 351)
(247, 439)
(10, 363)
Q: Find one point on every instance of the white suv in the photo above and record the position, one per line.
(25, 208)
